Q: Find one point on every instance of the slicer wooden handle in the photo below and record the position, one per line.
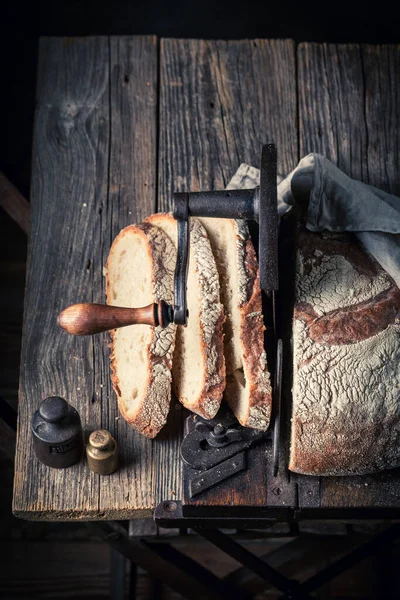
(86, 319)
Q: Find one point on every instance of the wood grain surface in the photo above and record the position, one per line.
(113, 140)
(219, 102)
(349, 111)
(94, 172)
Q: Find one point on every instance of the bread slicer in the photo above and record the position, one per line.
(259, 205)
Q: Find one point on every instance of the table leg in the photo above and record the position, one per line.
(117, 575)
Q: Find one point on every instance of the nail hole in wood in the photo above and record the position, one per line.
(126, 78)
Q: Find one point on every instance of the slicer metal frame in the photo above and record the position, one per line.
(258, 204)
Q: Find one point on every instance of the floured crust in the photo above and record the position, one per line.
(148, 412)
(254, 356)
(203, 277)
(212, 318)
(248, 390)
(346, 379)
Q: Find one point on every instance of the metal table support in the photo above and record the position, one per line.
(168, 565)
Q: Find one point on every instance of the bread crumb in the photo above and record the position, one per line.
(105, 271)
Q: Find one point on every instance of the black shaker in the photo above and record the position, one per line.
(57, 433)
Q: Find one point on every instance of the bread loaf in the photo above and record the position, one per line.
(248, 389)
(198, 371)
(346, 378)
(140, 271)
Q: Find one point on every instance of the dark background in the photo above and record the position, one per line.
(23, 22)
(21, 25)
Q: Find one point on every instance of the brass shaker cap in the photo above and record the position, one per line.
(101, 452)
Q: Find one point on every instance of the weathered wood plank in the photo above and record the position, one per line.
(132, 181)
(94, 171)
(219, 102)
(94, 159)
(349, 111)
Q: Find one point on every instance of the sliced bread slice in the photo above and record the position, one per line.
(198, 370)
(139, 271)
(248, 389)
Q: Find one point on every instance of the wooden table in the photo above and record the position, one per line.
(123, 122)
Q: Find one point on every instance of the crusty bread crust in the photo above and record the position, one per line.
(346, 377)
(148, 413)
(211, 318)
(248, 390)
(252, 338)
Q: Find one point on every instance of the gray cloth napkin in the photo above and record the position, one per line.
(338, 203)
